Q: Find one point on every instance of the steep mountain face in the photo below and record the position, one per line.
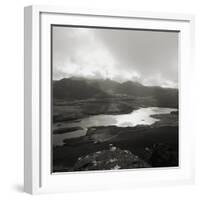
(133, 88)
(166, 97)
(79, 88)
(107, 85)
(68, 88)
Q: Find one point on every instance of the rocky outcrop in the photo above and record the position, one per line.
(111, 159)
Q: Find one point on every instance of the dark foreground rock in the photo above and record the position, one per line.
(140, 141)
(113, 158)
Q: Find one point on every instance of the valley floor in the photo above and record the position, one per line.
(154, 146)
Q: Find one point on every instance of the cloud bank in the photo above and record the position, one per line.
(149, 57)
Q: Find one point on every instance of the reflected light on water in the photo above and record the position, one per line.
(142, 116)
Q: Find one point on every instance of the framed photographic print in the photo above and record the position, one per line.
(107, 99)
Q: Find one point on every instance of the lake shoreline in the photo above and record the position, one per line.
(135, 139)
(141, 116)
(68, 111)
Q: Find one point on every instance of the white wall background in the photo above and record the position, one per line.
(11, 101)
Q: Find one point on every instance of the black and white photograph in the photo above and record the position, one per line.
(114, 98)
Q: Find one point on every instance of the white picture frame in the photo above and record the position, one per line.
(37, 138)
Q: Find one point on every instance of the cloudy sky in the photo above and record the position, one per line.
(149, 57)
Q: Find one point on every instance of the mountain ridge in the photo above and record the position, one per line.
(81, 88)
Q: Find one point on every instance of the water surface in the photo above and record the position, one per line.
(141, 116)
